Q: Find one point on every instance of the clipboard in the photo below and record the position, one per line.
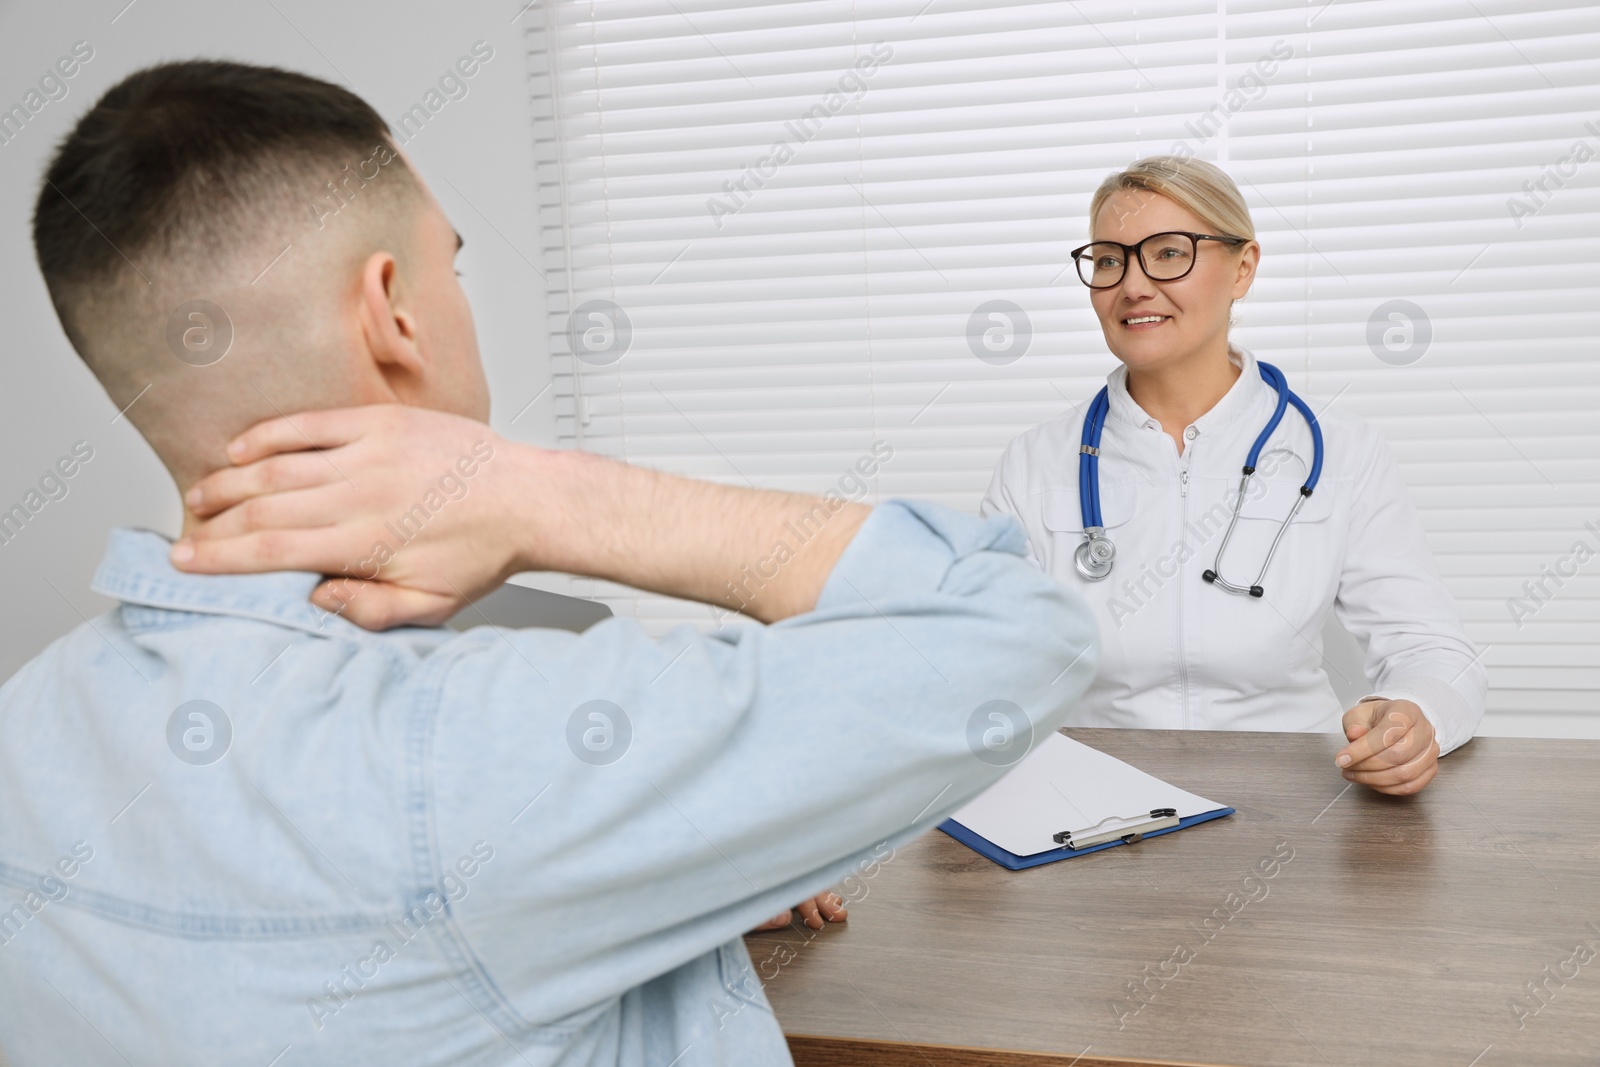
(1066, 799)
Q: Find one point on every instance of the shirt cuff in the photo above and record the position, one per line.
(1443, 707)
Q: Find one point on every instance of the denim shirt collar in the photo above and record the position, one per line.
(136, 570)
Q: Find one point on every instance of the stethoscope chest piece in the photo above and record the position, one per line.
(1094, 557)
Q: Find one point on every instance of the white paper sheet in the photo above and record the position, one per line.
(1064, 785)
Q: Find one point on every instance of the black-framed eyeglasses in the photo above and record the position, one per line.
(1164, 257)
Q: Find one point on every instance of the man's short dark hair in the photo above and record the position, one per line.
(188, 161)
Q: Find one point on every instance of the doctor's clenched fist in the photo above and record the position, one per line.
(1392, 747)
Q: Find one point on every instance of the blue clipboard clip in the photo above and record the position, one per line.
(1160, 819)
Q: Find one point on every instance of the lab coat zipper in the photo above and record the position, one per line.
(1183, 525)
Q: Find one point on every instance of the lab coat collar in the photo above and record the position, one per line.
(1235, 402)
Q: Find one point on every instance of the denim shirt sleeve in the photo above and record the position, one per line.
(731, 773)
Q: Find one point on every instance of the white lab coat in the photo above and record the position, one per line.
(1177, 653)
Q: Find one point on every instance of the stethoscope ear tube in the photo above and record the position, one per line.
(1254, 589)
(1210, 576)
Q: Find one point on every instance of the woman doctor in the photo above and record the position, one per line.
(1170, 535)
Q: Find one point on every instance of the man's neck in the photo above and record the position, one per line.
(1175, 395)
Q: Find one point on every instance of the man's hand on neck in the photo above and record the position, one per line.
(415, 513)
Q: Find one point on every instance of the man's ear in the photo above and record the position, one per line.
(387, 323)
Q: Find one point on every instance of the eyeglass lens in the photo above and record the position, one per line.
(1167, 257)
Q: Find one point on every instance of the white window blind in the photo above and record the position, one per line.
(789, 231)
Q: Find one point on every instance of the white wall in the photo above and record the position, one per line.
(475, 154)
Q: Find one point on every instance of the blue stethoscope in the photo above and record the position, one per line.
(1094, 557)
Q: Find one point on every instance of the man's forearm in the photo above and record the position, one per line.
(765, 553)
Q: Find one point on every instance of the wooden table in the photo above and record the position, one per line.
(1401, 931)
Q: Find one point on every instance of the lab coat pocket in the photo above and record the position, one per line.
(1061, 515)
(1274, 488)
(1061, 512)
(1271, 499)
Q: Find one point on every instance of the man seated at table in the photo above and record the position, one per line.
(266, 814)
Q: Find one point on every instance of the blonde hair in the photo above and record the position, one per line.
(1203, 189)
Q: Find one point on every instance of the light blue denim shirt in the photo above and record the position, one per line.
(236, 830)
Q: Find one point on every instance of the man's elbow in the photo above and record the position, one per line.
(1053, 645)
(1072, 653)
